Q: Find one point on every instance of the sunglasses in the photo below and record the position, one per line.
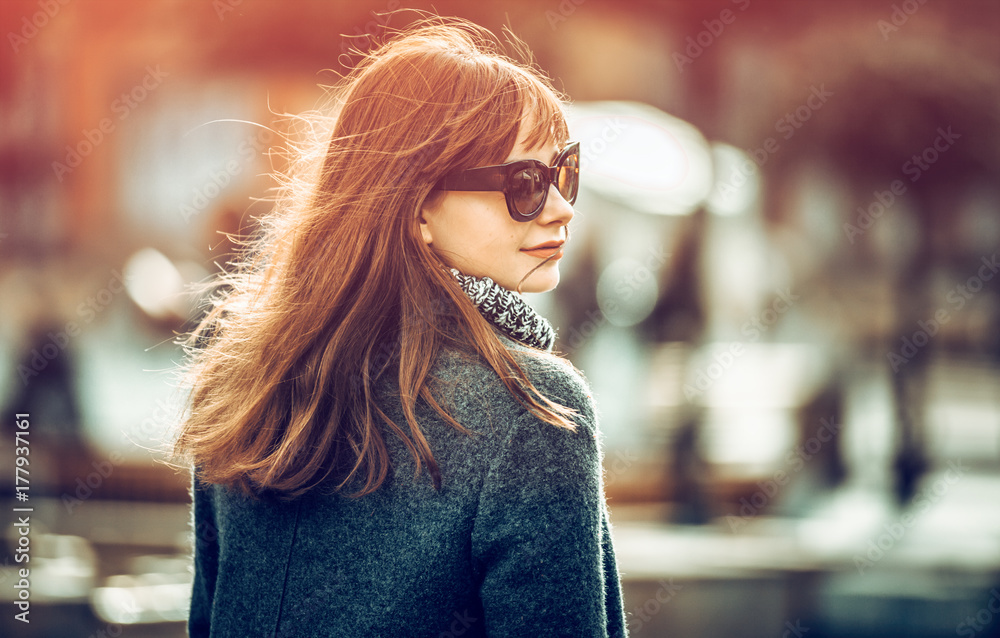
(525, 183)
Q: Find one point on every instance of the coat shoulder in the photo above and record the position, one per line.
(468, 384)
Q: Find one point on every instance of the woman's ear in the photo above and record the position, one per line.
(425, 231)
(428, 210)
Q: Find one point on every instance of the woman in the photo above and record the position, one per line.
(377, 332)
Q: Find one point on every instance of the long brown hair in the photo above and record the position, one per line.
(282, 370)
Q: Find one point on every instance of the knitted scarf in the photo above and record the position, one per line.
(507, 311)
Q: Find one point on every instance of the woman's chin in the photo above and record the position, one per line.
(544, 279)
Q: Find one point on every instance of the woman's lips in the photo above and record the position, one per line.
(543, 253)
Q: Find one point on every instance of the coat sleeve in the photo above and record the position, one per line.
(206, 559)
(541, 544)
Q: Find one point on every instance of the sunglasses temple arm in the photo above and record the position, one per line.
(488, 178)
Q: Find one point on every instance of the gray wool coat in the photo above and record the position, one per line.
(516, 542)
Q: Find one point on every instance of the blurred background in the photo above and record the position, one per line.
(782, 284)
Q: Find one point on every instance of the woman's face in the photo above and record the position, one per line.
(473, 232)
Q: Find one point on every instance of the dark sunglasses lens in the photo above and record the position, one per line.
(568, 177)
(528, 187)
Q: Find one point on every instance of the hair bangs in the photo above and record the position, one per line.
(542, 110)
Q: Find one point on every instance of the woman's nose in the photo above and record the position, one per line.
(557, 209)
